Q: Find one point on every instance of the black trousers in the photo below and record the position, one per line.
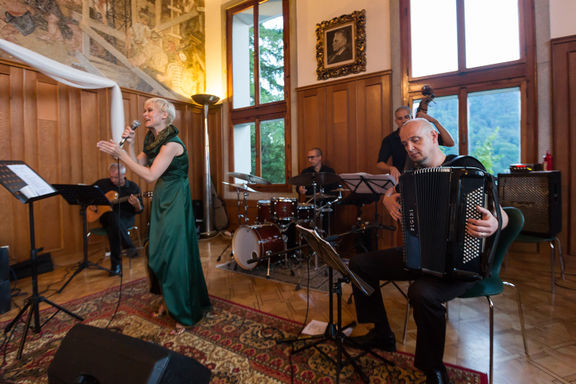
(117, 236)
(427, 295)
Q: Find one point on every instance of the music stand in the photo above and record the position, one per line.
(83, 195)
(363, 183)
(334, 332)
(27, 186)
(366, 189)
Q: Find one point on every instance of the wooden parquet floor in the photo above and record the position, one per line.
(550, 320)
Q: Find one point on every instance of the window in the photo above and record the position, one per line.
(258, 71)
(478, 58)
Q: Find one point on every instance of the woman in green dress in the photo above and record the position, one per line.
(174, 259)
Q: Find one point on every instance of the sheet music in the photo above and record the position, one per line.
(362, 182)
(36, 186)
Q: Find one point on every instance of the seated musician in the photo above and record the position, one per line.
(121, 218)
(427, 293)
(316, 166)
(391, 146)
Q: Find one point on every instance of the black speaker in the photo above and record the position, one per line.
(537, 195)
(5, 294)
(99, 356)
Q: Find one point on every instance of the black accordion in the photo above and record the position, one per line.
(436, 202)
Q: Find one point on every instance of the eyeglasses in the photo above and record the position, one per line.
(312, 157)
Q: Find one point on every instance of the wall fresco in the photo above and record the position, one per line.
(154, 46)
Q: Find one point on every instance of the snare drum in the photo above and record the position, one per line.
(305, 212)
(284, 209)
(264, 211)
(254, 242)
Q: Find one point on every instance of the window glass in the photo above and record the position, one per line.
(434, 37)
(494, 128)
(243, 58)
(273, 151)
(445, 110)
(492, 32)
(245, 148)
(271, 47)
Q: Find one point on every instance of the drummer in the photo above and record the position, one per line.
(316, 166)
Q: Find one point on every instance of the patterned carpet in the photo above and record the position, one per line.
(238, 344)
(298, 274)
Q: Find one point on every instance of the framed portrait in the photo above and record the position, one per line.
(341, 45)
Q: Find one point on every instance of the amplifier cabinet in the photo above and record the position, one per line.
(537, 195)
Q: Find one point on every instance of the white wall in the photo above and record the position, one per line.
(308, 14)
(562, 14)
(215, 30)
(312, 12)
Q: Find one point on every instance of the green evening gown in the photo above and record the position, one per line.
(174, 258)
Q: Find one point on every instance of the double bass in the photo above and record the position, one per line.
(427, 99)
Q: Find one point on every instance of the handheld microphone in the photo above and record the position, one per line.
(135, 124)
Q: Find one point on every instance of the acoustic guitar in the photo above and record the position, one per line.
(93, 212)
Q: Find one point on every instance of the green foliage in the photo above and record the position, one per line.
(273, 151)
(271, 49)
(498, 147)
(272, 132)
(485, 152)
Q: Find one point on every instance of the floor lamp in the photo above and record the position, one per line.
(206, 101)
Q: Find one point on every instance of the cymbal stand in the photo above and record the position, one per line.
(242, 217)
(327, 208)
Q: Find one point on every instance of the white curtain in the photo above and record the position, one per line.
(73, 78)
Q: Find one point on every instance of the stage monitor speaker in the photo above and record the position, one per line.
(5, 293)
(537, 195)
(99, 356)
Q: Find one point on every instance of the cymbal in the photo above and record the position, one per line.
(240, 187)
(249, 178)
(321, 178)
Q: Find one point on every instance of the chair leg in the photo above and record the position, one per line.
(491, 305)
(520, 315)
(138, 234)
(560, 256)
(552, 267)
(406, 317)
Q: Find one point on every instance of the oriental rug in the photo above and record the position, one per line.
(238, 344)
(298, 274)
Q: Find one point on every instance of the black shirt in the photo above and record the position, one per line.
(127, 211)
(323, 169)
(392, 147)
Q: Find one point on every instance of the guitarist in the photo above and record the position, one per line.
(118, 220)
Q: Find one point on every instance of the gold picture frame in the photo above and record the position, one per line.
(341, 45)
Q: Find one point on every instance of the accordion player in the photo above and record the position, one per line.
(436, 202)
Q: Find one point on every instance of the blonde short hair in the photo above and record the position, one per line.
(164, 106)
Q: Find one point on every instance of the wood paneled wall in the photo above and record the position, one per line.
(347, 119)
(564, 131)
(54, 129)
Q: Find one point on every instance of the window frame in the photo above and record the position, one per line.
(519, 73)
(260, 112)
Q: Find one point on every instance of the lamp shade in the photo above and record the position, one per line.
(205, 99)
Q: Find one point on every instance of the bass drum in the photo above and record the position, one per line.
(254, 242)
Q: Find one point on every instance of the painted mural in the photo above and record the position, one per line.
(154, 46)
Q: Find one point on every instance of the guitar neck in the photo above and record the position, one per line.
(123, 199)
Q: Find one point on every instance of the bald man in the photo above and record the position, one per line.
(427, 293)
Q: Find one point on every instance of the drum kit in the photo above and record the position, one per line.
(274, 235)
